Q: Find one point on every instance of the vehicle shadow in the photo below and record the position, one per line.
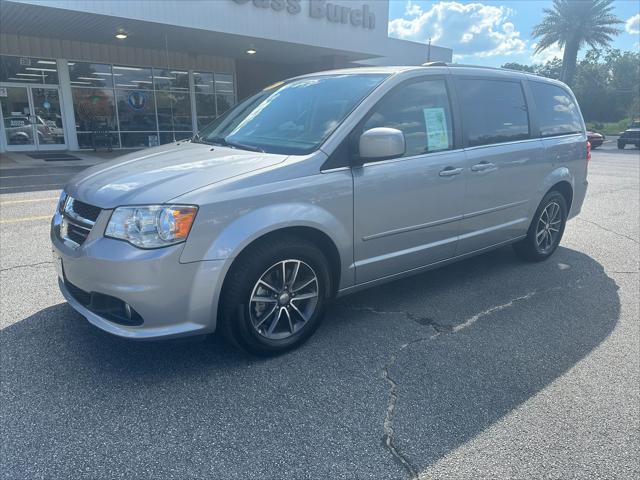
(79, 403)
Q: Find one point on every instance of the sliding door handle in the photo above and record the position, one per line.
(450, 172)
(482, 166)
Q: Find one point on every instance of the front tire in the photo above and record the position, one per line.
(621, 145)
(546, 229)
(274, 297)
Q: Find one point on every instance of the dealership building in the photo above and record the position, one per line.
(79, 74)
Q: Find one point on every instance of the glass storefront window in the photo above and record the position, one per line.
(84, 74)
(170, 79)
(203, 82)
(206, 109)
(136, 110)
(141, 107)
(98, 139)
(28, 70)
(168, 137)
(132, 77)
(174, 110)
(139, 139)
(224, 84)
(94, 109)
(224, 103)
(215, 94)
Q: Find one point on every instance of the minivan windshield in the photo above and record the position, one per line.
(291, 118)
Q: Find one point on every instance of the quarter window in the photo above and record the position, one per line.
(421, 111)
(494, 111)
(558, 113)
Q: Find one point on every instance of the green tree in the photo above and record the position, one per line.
(572, 24)
(520, 67)
(606, 83)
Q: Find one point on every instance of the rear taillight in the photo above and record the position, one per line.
(588, 150)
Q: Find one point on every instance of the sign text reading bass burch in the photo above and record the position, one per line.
(360, 16)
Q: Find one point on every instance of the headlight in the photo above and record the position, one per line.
(151, 226)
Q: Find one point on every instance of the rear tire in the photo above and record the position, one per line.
(266, 308)
(546, 229)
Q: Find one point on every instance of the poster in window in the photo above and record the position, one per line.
(437, 132)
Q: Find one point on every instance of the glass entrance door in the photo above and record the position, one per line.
(16, 116)
(32, 118)
(48, 118)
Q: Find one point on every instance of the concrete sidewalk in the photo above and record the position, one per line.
(22, 160)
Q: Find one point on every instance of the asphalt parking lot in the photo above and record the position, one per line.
(489, 368)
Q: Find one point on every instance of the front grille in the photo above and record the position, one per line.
(76, 233)
(84, 210)
(79, 218)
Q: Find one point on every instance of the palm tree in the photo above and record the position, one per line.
(572, 24)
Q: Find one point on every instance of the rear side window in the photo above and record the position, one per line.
(493, 111)
(558, 113)
(421, 111)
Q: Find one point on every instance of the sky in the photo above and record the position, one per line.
(492, 33)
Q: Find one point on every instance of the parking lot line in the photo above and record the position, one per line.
(31, 200)
(26, 219)
(36, 175)
(59, 185)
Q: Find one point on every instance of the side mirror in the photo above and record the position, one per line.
(381, 143)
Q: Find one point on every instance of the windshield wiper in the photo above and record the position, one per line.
(242, 146)
(226, 143)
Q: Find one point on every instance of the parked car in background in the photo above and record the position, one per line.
(19, 130)
(631, 136)
(317, 187)
(595, 139)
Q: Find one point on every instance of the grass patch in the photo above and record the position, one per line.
(609, 128)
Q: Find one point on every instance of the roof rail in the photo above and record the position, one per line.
(434, 64)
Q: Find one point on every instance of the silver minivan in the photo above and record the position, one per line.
(314, 188)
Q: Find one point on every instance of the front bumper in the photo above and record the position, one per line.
(174, 299)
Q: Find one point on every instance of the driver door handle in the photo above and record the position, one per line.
(450, 172)
(482, 166)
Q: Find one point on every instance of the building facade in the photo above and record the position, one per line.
(83, 74)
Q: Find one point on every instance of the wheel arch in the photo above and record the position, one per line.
(313, 235)
(565, 189)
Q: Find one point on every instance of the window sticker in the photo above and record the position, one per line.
(437, 134)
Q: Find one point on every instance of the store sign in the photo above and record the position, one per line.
(357, 16)
(137, 100)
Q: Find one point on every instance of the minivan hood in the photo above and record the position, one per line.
(159, 174)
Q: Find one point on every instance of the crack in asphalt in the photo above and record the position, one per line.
(27, 265)
(609, 230)
(389, 438)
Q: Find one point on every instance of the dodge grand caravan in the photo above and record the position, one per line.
(316, 187)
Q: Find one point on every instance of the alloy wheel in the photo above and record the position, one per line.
(284, 299)
(548, 228)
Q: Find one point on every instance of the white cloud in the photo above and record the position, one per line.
(554, 51)
(632, 25)
(470, 29)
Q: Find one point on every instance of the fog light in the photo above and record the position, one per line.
(127, 310)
